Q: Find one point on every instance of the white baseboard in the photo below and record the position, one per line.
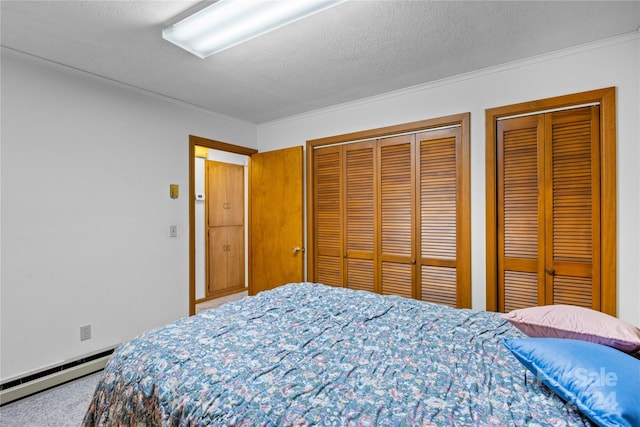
(39, 384)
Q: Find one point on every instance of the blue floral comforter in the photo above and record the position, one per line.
(309, 354)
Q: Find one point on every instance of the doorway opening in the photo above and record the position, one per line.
(197, 242)
(221, 215)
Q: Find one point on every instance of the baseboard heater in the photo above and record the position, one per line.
(34, 383)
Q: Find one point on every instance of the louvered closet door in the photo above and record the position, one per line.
(572, 179)
(328, 215)
(438, 195)
(397, 215)
(549, 210)
(359, 228)
(520, 212)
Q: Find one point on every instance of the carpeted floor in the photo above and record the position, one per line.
(219, 301)
(61, 406)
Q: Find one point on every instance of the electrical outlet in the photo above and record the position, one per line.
(85, 332)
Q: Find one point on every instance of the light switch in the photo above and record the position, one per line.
(173, 231)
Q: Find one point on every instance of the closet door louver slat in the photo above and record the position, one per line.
(360, 274)
(397, 279)
(520, 290)
(572, 290)
(328, 270)
(438, 285)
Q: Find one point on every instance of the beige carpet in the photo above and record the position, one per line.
(61, 406)
(219, 301)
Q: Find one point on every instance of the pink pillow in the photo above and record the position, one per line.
(569, 321)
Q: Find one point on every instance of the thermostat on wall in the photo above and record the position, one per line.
(174, 191)
(199, 196)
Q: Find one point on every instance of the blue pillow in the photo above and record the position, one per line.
(602, 382)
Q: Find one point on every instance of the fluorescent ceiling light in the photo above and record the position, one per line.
(228, 23)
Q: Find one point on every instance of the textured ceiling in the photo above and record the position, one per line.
(354, 50)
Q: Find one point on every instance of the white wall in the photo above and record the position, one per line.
(200, 219)
(86, 168)
(612, 62)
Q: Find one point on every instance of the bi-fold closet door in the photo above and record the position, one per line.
(387, 215)
(549, 209)
(551, 202)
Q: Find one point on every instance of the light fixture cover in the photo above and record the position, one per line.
(228, 23)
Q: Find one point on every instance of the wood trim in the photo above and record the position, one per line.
(192, 228)
(207, 237)
(608, 230)
(463, 234)
(216, 145)
(250, 290)
(545, 221)
(311, 272)
(544, 162)
(563, 101)
(417, 248)
(414, 219)
(607, 99)
(221, 146)
(491, 241)
(453, 119)
(596, 167)
(433, 262)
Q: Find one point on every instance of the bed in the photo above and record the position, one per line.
(309, 354)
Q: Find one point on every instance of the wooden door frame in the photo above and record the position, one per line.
(606, 97)
(463, 120)
(214, 145)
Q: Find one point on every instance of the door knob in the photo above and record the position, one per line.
(296, 249)
(550, 271)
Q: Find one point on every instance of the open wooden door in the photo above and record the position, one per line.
(276, 254)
